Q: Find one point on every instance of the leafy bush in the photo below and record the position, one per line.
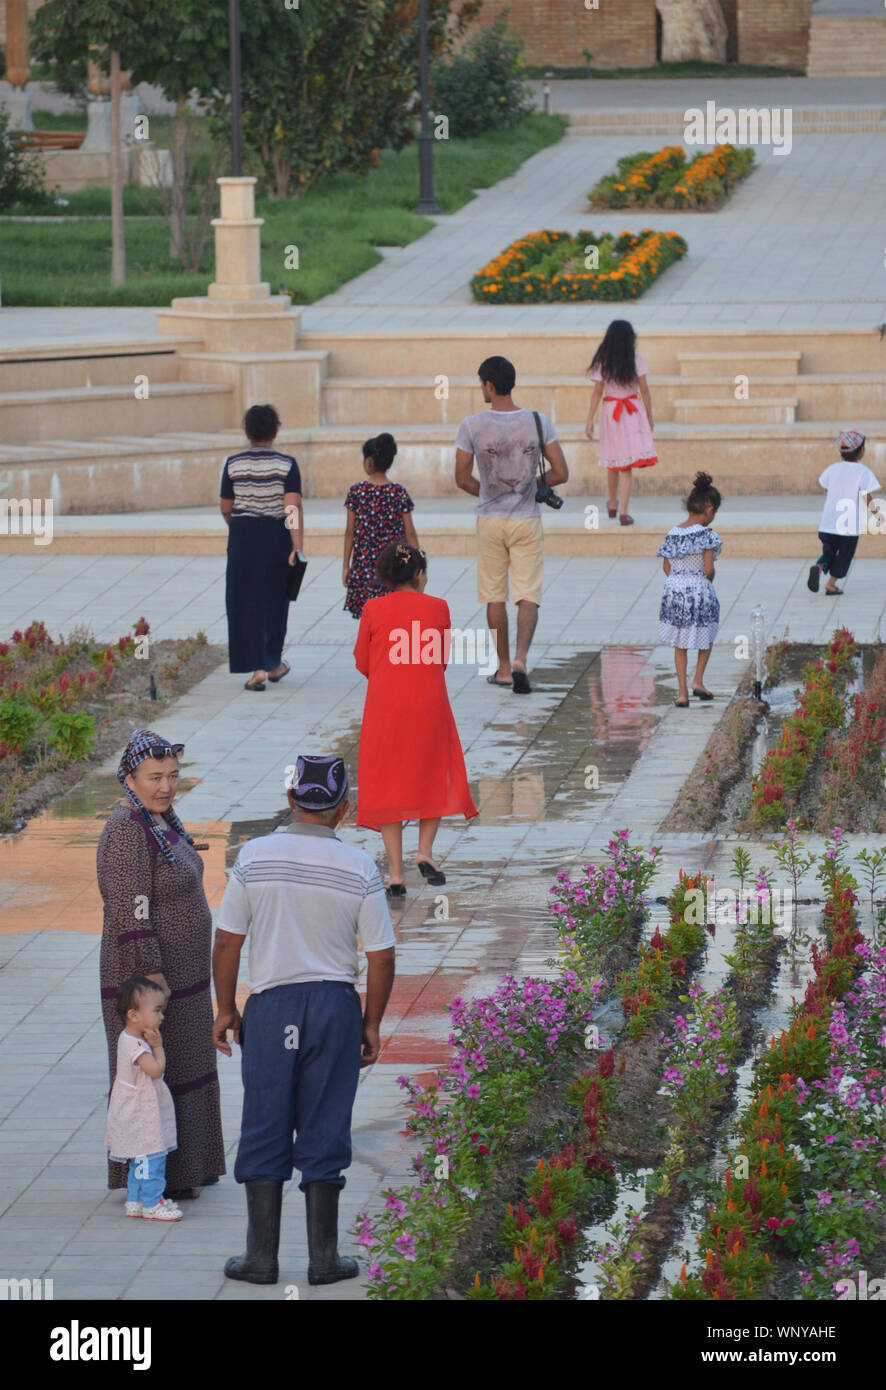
(72, 734)
(21, 174)
(483, 88)
(18, 723)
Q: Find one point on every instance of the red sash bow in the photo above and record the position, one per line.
(622, 401)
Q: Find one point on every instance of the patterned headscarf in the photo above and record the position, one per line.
(136, 751)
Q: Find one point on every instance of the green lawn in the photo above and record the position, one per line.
(336, 227)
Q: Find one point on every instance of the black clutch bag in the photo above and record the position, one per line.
(295, 577)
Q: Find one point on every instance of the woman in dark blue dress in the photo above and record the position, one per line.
(261, 504)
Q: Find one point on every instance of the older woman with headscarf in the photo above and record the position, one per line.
(157, 923)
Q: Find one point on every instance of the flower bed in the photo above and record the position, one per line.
(820, 710)
(67, 699)
(665, 179)
(776, 1204)
(852, 784)
(552, 266)
(510, 1048)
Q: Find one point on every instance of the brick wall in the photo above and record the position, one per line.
(619, 34)
(774, 33)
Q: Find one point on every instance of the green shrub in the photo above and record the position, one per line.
(484, 87)
(18, 723)
(72, 734)
(21, 173)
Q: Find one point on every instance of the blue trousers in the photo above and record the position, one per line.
(300, 1064)
(146, 1179)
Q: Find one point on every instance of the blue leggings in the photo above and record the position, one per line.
(300, 1063)
(146, 1179)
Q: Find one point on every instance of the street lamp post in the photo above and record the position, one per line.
(427, 202)
(234, 47)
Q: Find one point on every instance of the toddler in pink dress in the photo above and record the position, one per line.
(626, 417)
(141, 1111)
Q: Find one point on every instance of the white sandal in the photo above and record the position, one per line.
(163, 1211)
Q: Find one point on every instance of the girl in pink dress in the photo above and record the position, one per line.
(626, 418)
(141, 1111)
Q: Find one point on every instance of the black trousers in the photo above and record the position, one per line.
(836, 553)
(255, 592)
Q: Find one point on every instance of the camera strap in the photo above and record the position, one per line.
(541, 447)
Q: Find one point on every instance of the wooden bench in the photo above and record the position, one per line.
(48, 139)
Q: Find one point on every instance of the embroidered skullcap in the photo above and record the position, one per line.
(320, 784)
(850, 440)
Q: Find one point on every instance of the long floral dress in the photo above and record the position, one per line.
(156, 919)
(690, 610)
(378, 519)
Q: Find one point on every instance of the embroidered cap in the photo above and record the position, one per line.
(320, 784)
(850, 440)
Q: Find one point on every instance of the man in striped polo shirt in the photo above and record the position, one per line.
(302, 896)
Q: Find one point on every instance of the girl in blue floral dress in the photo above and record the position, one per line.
(690, 611)
(378, 513)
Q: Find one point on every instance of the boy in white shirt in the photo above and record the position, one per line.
(840, 518)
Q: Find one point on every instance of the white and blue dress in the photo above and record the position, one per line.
(690, 610)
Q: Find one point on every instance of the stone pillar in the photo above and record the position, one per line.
(238, 243)
(98, 111)
(19, 102)
(248, 336)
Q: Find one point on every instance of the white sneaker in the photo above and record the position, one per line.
(133, 1208)
(163, 1211)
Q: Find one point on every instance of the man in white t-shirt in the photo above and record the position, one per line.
(303, 897)
(846, 482)
(504, 443)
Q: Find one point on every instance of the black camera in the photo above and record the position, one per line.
(546, 494)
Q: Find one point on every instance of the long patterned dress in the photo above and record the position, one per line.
(690, 610)
(378, 510)
(157, 919)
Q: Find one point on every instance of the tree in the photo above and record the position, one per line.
(180, 46)
(692, 29)
(329, 84)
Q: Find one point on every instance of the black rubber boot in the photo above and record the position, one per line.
(325, 1265)
(264, 1201)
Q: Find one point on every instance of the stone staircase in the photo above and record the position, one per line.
(758, 410)
(59, 396)
(810, 120)
(847, 46)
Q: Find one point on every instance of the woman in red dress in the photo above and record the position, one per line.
(410, 765)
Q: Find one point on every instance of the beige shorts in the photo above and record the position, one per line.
(507, 544)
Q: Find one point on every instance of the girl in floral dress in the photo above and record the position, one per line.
(625, 421)
(378, 513)
(690, 611)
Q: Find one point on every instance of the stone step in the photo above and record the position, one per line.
(804, 120)
(390, 402)
(709, 410)
(116, 363)
(746, 459)
(763, 363)
(580, 528)
(85, 412)
(459, 353)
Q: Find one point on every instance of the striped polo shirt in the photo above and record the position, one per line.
(303, 895)
(257, 479)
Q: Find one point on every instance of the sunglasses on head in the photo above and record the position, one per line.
(165, 750)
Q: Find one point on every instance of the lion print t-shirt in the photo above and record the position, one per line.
(505, 446)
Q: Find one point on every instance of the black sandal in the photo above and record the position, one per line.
(520, 682)
(682, 704)
(702, 694)
(435, 877)
(285, 672)
(254, 685)
(396, 890)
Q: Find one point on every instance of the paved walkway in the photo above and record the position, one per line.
(602, 700)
